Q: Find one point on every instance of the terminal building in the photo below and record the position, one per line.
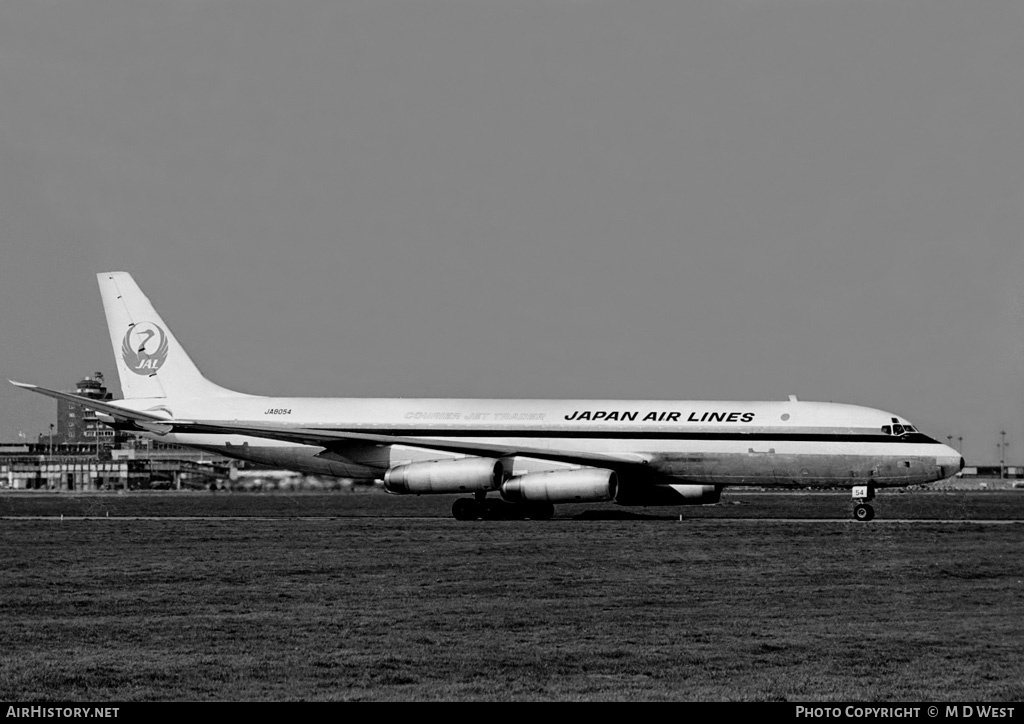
(130, 466)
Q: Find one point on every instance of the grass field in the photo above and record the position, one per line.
(416, 606)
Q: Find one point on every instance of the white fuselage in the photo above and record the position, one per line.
(790, 443)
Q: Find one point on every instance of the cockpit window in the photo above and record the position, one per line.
(898, 429)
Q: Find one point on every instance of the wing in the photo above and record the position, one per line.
(330, 437)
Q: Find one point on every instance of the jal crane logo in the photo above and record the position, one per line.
(144, 348)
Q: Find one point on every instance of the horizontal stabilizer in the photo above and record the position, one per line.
(109, 408)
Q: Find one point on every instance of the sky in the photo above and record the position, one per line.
(723, 200)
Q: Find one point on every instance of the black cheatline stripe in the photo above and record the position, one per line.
(635, 435)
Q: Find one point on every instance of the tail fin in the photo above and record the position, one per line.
(150, 361)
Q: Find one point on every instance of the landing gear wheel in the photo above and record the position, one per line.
(493, 510)
(863, 512)
(465, 509)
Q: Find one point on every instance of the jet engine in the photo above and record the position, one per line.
(461, 475)
(588, 485)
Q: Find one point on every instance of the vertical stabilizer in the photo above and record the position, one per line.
(150, 361)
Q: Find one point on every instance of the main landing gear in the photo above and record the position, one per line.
(862, 509)
(482, 508)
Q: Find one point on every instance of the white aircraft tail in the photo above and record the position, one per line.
(150, 361)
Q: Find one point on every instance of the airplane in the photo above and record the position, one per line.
(511, 458)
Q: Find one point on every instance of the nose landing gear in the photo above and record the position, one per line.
(862, 509)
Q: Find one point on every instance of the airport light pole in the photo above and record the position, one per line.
(1002, 454)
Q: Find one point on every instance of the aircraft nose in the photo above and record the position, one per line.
(949, 461)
